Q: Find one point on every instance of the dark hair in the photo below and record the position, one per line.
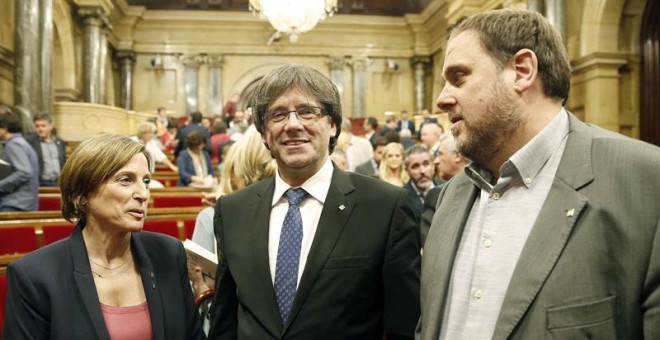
(11, 122)
(92, 163)
(195, 139)
(373, 122)
(306, 79)
(43, 116)
(392, 136)
(505, 32)
(196, 117)
(171, 123)
(379, 141)
(219, 127)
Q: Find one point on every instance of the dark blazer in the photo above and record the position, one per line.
(187, 168)
(367, 168)
(35, 142)
(590, 267)
(410, 126)
(414, 199)
(51, 291)
(185, 131)
(361, 276)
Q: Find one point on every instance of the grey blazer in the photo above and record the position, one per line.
(591, 265)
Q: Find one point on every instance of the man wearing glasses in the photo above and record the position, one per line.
(313, 252)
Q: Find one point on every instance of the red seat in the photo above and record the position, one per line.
(177, 202)
(17, 240)
(50, 203)
(167, 227)
(189, 225)
(3, 299)
(56, 232)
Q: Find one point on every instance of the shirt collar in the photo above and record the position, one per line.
(530, 159)
(316, 186)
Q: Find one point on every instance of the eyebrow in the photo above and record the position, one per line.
(453, 69)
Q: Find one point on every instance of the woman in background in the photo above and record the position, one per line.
(391, 165)
(108, 279)
(195, 168)
(145, 135)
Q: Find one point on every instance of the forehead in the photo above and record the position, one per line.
(294, 96)
(419, 157)
(465, 50)
(41, 121)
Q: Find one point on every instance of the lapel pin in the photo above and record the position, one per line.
(341, 207)
(570, 213)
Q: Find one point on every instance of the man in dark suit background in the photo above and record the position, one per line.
(370, 167)
(325, 266)
(426, 119)
(418, 163)
(405, 123)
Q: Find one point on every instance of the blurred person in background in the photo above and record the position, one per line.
(50, 150)
(19, 190)
(195, 167)
(145, 134)
(391, 165)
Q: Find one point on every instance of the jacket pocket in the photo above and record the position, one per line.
(583, 314)
(347, 262)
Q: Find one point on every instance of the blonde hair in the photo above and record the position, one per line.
(92, 163)
(247, 159)
(145, 127)
(383, 169)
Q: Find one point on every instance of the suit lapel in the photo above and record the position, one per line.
(260, 209)
(82, 274)
(560, 213)
(337, 208)
(440, 250)
(151, 290)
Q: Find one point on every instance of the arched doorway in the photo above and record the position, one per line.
(649, 117)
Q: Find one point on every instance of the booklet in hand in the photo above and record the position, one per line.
(200, 256)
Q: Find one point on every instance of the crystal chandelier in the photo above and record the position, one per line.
(293, 17)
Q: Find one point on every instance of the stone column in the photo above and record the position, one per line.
(191, 75)
(554, 10)
(215, 63)
(336, 65)
(93, 19)
(126, 60)
(103, 63)
(420, 66)
(359, 83)
(45, 55)
(26, 56)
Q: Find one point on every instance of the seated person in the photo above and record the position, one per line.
(145, 135)
(195, 168)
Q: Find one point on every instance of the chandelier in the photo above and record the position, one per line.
(293, 17)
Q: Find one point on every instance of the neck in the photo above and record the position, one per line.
(535, 118)
(105, 246)
(295, 177)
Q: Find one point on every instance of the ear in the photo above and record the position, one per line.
(525, 65)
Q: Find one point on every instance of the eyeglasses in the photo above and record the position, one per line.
(306, 115)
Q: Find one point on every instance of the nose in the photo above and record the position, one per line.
(141, 192)
(292, 122)
(446, 100)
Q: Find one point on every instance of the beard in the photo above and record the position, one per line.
(484, 134)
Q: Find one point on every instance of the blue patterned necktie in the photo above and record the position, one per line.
(288, 253)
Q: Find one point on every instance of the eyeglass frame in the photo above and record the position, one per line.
(318, 113)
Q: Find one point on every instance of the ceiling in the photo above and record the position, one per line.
(364, 7)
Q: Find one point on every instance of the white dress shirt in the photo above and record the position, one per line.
(311, 207)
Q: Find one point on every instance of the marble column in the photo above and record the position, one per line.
(46, 56)
(359, 83)
(93, 19)
(191, 81)
(126, 60)
(336, 65)
(215, 63)
(420, 66)
(26, 56)
(554, 10)
(103, 63)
